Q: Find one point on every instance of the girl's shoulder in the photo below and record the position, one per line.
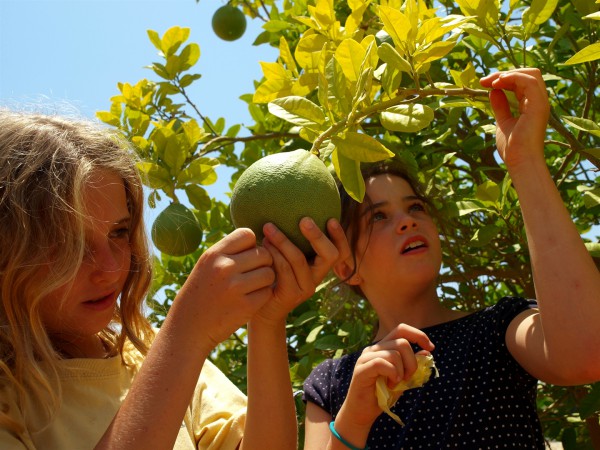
(500, 314)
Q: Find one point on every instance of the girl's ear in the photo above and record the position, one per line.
(344, 270)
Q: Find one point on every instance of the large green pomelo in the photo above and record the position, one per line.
(282, 189)
(176, 231)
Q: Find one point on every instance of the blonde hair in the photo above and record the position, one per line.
(45, 162)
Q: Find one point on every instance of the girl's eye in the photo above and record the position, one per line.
(417, 207)
(377, 216)
(121, 233)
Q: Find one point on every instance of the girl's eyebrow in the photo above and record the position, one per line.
(406, 199)
(122, 221)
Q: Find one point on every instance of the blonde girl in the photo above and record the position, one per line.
(80, 365)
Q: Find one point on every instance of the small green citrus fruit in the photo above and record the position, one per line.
(282, 189)
(229, 23)
(176, 231)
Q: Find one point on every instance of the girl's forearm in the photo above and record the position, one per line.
(566, 280)
(271, 419)
(152, 413)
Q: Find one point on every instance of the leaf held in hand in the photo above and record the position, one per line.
(387, 397)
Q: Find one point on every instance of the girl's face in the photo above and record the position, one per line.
(403, 249)
(76, 312)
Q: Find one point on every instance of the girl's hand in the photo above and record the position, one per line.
(392, 358)
(296, 279)
(228, 284)
(522, 137)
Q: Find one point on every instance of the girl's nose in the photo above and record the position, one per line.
(405, 222)
(106, 263)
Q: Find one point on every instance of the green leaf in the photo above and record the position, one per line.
(484, 235)
(388, 54)
(593, 248)
(306, 317)
(361, 147)
(173, 38)
(407, 118)
(198, 197)
(313, 334)
(175, 152)
(488, 191)
(590, 403)
(469, 206)
(350, 55)
(591, 198)
(589, 53)
(348, 171)
(593, 16)
(396, 24)
(198, 172)
(108, 118)
(155, 39)
(189, 56)
(298, 110)
(329, 343)
(583, 124)
(154, 176)
(538, 13)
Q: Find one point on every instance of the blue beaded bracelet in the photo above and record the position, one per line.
(342, 440)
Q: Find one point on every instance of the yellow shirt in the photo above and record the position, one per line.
(93, 390)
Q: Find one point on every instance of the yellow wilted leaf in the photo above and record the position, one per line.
(387, 397)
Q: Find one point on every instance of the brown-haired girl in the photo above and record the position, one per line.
(489, 361)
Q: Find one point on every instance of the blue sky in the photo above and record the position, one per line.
(68, 56)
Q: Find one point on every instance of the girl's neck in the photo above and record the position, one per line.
(89, 347)
(420, 311)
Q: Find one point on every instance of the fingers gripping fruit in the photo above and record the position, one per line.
(387, 397)
(282, 188)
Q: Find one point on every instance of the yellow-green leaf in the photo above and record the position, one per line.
(298, 110)
(589, 53)
(309, 49)
(108, 118)
(153, 175)
(361, 147)
(396, 24)
(348, 171)
(538, 13)
(586, 125)
(189, 56)
(407, 118)
(198, 172)
(173, 38)
(388, 54)
(350, 55)
(435, 51)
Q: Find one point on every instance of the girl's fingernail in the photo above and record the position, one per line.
(308, 224)
(269, 228)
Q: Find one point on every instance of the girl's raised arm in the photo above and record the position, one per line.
(555, 344)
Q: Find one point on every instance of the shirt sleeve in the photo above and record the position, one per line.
(217, 414)
(317, 386)
(508, 308)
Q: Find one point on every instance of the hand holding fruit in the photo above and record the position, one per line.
(228, 284)
(296, 279)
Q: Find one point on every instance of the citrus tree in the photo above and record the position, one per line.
(364, 80)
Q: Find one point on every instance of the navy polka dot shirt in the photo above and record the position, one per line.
(483, 398)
